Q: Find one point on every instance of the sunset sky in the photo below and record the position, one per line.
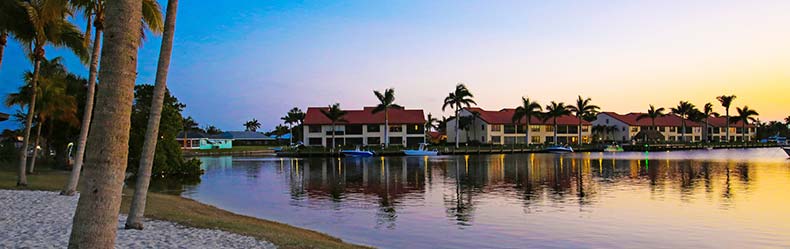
(237, 60)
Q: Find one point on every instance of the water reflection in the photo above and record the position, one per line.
(529, 199)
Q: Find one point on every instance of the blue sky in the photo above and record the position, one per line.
(237, 60)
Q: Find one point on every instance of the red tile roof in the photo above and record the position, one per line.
(668, 120)
(366, 116)
(505, 116)
(722, 122)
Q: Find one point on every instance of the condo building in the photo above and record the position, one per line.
(363, 127)
(498, 127)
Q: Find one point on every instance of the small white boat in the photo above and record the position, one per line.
(357, 153)
(787, 150)
(613, 148)
(422, 151)
(559, 149)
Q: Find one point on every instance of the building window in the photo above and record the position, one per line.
(697, 138)
(635, 129)
(374, 128)
(510, 129)
(607, 121)
(396, 140)
(535, 128)
(315, 141)
(496, 139)
(374, 140)
(482, 127)
(354, 129)
(496, 128)
(414, 129)
(314, 128)
(396, 128)
(671, 129)
(585, 128)
(549, 128)
(337, 133)
(662, 129)
(510, 140)
(535, 139)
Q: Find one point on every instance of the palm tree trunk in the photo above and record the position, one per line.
(333, 136)
(580, 131)
(22, 178)
(555, 131)
(743, 132)
(3, 42)
(727, 132)
(683, 132)
(526, 132)
(291, 134)
(457, 121)
(386, 128)
(96, 219)
(74, 178)
(32, 167)
(137, 209)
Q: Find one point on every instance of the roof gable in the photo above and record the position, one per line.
(505, 116)
(313, 116)
(632, 119)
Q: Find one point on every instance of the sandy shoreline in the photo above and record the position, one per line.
(42, 219)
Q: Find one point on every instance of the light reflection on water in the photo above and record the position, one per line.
(713, 199)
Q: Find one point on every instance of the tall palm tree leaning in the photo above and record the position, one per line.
(46, 24)
(13, 20)
(582, 109)
(527, 110)
(553, 111)
(707, 112)
(137, 209)
(335, 115)
(726, 101)
(744, 115)
(683, 110)
(96, 217)
(94, 10)
(652, 113)
(458, 99)
(386, 101)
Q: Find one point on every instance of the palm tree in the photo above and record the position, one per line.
(335, 115)
(787, 120)
(137, 208)
(431, 123)
(53, 102)
(653, 114)
(297, 116)
(386, 101)
(457, 99)
(726, 101)
(47, 25)
(96, 217)
(744, 115)
(94, 10)
(684, 109)
(707, 112)
(289, 120)
(12, 22)
(252, 125)
(582, 109)
(554, 111)
(527, 110)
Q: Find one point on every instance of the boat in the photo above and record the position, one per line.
(787, 150)
(357, 153)
(613, 148)
(559, 149)
(422, 151)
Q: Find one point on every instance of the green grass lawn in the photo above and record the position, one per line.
(188, 212)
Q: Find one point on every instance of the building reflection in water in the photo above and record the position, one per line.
(389, 183)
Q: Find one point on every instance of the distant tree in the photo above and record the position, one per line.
(582, 109)
(457, 99)
(527, 110)
(554, 111)
(335, 115)
(386, 101)
(212, 130)
(296, 115)
(684, 109)
(787, 121)
(744, 115)
(652, 114)
(726, 102)
(707, 112)
(252, 125)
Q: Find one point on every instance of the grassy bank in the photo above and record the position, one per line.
(191, 213)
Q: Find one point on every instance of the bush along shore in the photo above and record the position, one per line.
(517, 148)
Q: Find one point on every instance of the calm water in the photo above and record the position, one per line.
(703, 199)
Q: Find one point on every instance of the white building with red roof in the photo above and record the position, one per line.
(627, 126)
(717, 130)
(497, 127)
(363, 127)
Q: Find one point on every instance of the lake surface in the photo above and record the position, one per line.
(688, 199)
